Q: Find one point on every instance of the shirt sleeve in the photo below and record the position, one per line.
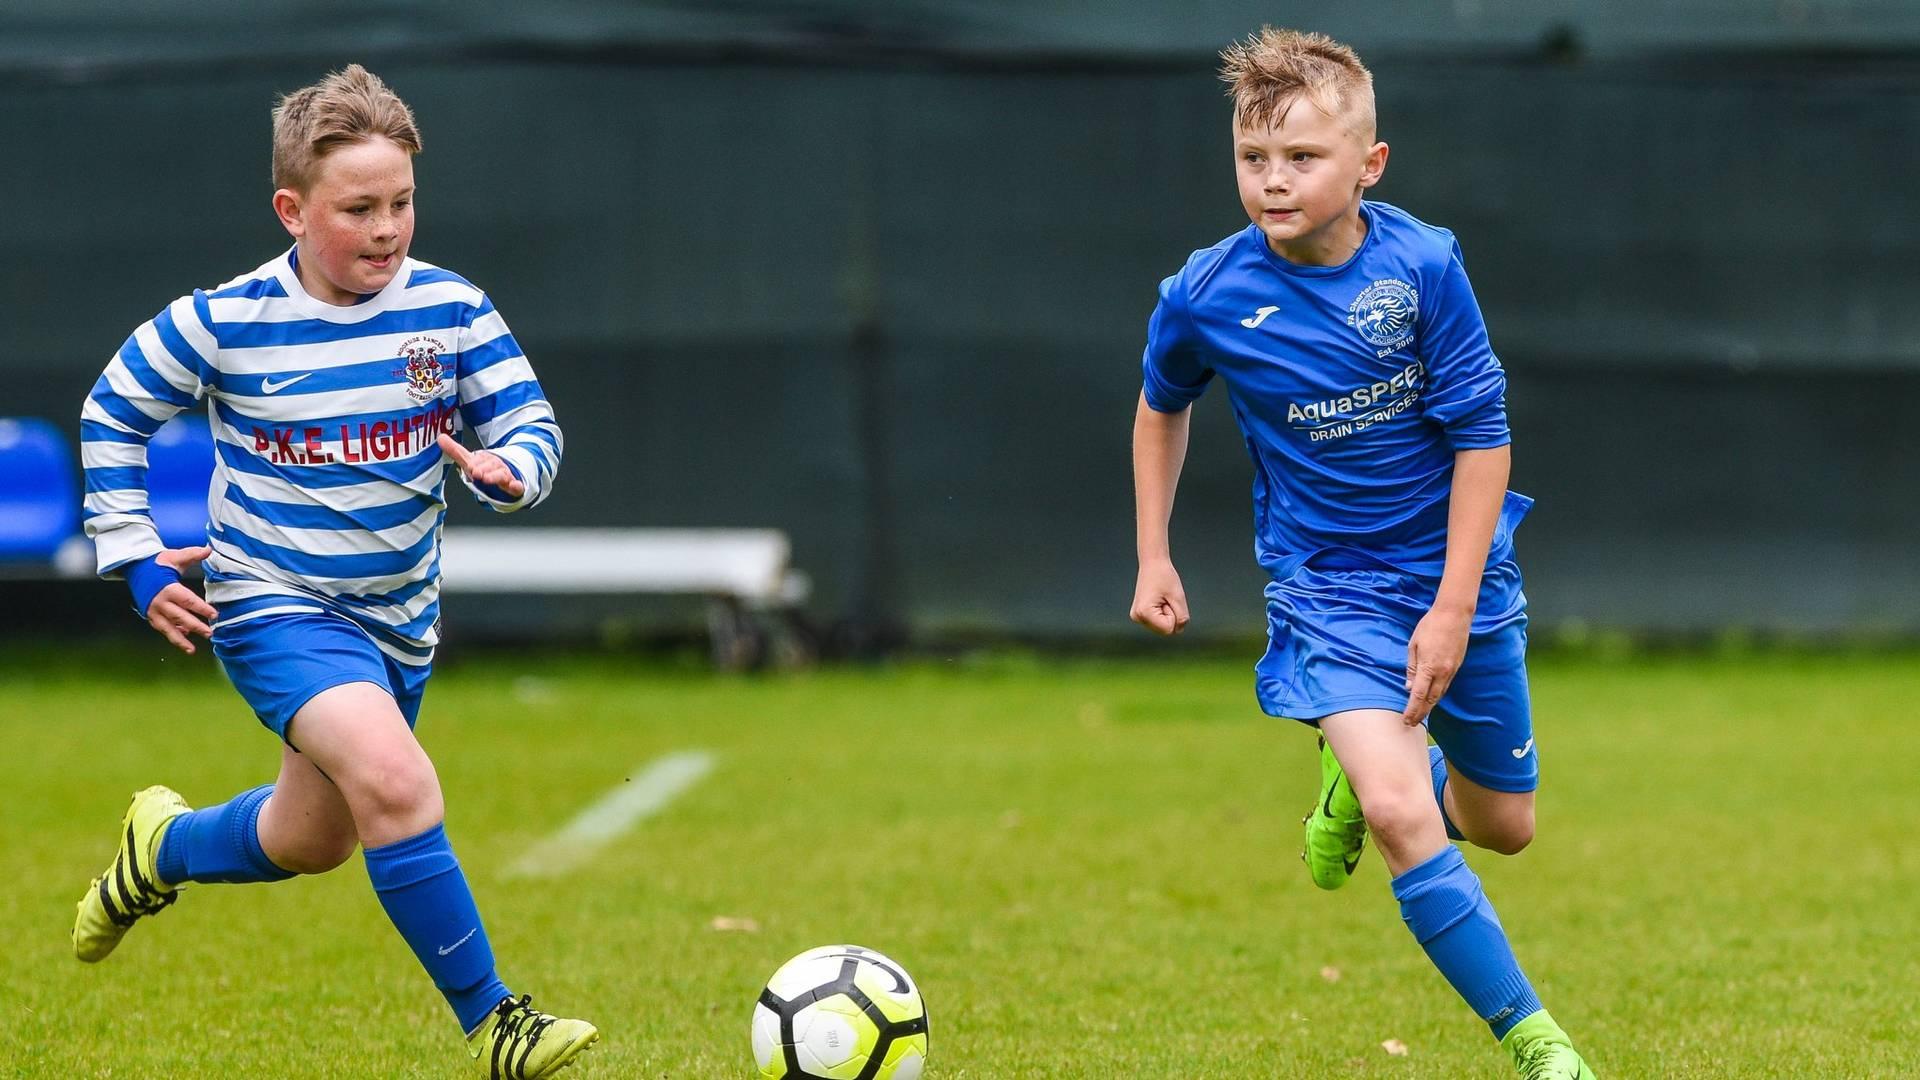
(163, 368)
(1466, 390)
(1174, 370)
(503, 403)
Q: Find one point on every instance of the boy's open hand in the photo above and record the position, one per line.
(483, 467)
(177, 610)
(1159, 600)
(1434, 654)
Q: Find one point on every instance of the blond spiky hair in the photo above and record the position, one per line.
(345, 107)
(1272, 69)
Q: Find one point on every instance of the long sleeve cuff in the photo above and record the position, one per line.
(525, 469)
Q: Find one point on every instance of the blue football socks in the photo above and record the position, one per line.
(420, 884)
(1438, 763)
(218, 844)
(1450, 917)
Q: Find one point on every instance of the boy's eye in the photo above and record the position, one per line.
(1252, 159)
(1302, 155)
(403, 204)
(356, 209)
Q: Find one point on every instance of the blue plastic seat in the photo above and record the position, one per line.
(40, 498)
(179, 469)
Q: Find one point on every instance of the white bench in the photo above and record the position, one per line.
(743, 572)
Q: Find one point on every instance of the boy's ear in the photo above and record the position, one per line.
(290, 208)
(1376, 165)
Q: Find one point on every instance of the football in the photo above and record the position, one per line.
(840, 1012)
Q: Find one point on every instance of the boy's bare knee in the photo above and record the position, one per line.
(1396, 819)
(401, 788)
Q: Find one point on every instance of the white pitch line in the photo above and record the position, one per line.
(614, 813)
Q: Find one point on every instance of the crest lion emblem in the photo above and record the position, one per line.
(1384, 313)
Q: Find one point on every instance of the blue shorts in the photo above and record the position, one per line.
(1337, 640)
(279, 662)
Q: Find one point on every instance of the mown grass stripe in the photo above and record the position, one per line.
(619, 810)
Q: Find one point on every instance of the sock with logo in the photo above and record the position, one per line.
(218, 844)
(1450, 917)
(426, 896)
(1438, 763)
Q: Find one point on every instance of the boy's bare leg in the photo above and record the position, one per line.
(355, 737)
(306, 825)
(1440, 897)
(1499, 821)
(1386, 762)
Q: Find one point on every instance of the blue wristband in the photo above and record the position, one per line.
(146, 578)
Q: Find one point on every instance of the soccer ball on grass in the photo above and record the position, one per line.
(840, 1012)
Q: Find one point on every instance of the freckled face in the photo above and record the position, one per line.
(355, 222)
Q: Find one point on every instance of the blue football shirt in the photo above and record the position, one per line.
(1354, 385)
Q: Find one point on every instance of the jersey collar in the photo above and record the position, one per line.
(283, 268)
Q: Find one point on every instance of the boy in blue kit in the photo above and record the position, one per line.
(1373, 407)
(335, 377)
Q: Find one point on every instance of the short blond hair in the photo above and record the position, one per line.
(344, 108)
(1272, 69)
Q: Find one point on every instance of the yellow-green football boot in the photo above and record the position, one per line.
(129, 888)
(519, 1042)
(1336, 829)
(1541, 1051)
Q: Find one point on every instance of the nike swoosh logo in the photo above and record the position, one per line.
(268, 386)
(459, 943)
(1258, 317)
(1328, 807)
(1522, 752)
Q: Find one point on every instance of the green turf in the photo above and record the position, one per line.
(1091, 868)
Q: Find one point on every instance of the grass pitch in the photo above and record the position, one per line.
(1090, 867)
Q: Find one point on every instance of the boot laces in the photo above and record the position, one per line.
(515, 1034)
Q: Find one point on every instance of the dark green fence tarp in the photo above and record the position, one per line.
(898, 309)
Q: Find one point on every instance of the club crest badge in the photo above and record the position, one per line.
(1384, 314)
(423, 369)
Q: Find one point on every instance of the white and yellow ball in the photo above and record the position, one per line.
(840, 1012)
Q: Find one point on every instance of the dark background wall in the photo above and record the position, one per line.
(878, 274)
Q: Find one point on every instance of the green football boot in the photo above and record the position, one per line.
(129, 888)
(1541, 1051)
(519, 1042)
(1336, 829)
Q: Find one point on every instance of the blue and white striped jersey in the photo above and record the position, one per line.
(328, 481)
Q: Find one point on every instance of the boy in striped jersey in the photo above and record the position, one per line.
(336, 377)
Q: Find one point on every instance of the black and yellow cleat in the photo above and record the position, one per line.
(129, 888)
(519, 1042)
